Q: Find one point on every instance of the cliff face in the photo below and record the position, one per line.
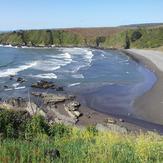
(143, 37)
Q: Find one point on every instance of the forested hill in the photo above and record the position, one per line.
(119, 37)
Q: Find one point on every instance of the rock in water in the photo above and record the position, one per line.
(20, 80)
(43, 85)
(59, 89)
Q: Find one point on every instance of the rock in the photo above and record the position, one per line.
(121, 120)
(88, 115)
(71, 97)
(77, 114)
(20, 80)
(72, 111)
(50, 98)
(43, 85)
(33, 109)
(111, 127)
(37, 94)
(59, 89)
(111, 121)
(72, 106)
(23, 105)
(17, 102)
(75, 104)
(52, 153)
(5, 86)
(12, 76)
(53, 98)
(63, 118)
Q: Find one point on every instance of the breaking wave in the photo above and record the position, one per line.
(14, 71)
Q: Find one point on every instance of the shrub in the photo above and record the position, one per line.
(35, 127)
(59, 131)
(135, 36)
(12, 122)
(92, 130)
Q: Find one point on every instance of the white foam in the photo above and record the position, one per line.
(14, 71)
(89, 55)
(45, 76)
(17, 88)
(67, 55)
(15, 85)
(54, 63)
(73, 84)
(8, 89)
(79, 76)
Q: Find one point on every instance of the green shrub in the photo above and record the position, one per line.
(12, 122)
(92, 130)
(59, 131)
(35, 127)
(135, 36)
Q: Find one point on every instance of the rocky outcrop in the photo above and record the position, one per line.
(51, 98)
(43, 85)
(21, 104)
(72, 110)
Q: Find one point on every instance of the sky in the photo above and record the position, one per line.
(39, 14)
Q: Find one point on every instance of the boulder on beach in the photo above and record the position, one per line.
(72, 109)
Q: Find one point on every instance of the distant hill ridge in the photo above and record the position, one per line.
(130, 36)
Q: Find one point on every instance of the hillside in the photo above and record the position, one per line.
(119, 37)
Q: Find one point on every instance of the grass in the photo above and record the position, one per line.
(83, 146)
(26, 141)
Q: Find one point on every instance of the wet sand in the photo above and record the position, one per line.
(150, 105)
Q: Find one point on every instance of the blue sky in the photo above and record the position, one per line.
(36, 14)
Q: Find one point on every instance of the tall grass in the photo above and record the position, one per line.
(28, 142)
(82, 146)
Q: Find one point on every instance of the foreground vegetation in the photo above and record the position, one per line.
(27, 139)
(124, 37)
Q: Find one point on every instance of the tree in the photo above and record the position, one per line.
(99, 40)
(127, 42)
(135, 36)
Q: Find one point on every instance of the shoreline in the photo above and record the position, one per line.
(93, 117)
(152, 101)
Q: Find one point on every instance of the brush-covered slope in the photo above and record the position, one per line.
(120, 37)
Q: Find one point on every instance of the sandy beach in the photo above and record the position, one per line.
(150, 105)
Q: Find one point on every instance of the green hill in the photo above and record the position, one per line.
(118, 37)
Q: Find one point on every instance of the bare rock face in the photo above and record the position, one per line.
(43, 85)
(17, 102)
(33, 109)
(72, 109)
(51, 98)
(21, 104)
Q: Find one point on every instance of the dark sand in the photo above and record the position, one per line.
(150, 105)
